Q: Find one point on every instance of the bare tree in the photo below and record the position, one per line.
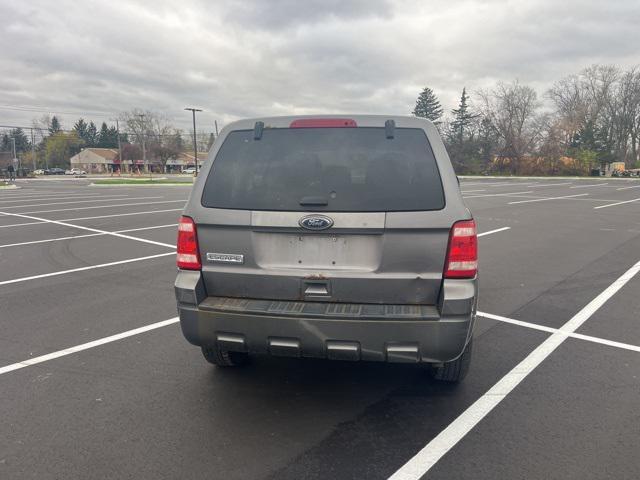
(625, 116)
(511, 110)
(151, 130)
(599, 111)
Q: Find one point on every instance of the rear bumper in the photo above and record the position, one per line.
(334, 331)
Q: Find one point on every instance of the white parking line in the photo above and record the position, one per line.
(426, 458)
(548, 198)
(494, 231)
(95, 217)
(495, 184)
(513, 184)
(579, 336)
(106, 206)
(89, 229)
(553, 184)
(119, 336)
(78, 201)
(472, 191)
(34, 193)
(517, 195)
(592, 185)
(71, 237)
(498, 194)
(36, 198)
(627, 188)
(85, 346)
(82, 269)
(617, 203)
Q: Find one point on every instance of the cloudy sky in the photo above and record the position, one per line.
(239, 58)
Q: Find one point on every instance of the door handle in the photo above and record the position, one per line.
(316, 289)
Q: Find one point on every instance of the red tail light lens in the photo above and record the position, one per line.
(188, 257)
(462, 256)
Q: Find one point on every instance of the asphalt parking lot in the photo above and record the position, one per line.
(96, 380)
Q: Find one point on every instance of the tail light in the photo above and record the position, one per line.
(462, 254)
(323, 123)
(188, 257)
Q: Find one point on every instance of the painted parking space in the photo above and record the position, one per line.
(110, 356)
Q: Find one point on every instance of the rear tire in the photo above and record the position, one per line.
(456, 370)
(220, 358)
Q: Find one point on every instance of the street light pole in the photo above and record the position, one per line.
(195, 143)
(33, 149)
(144, 148)
(119, 146)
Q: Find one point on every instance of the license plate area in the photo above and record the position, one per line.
(317, 251)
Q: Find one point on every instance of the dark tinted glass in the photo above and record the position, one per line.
(325, 169)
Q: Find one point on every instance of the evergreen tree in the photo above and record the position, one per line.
(108, 136)
(428, 106)
(80, 127)
(113, 137)
(592, 138)
(92, 135)
(462, 118)
(5, 144)
(22, 141)
(54, 126)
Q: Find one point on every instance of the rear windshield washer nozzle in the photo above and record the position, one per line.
(257, 130)
(389, 128)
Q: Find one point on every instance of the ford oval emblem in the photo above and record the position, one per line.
(315, 222)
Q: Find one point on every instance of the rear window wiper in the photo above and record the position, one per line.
(314, 201)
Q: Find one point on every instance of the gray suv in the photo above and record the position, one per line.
(342, 237)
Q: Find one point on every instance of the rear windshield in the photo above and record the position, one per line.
(325, 169)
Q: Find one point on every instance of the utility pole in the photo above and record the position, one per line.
(215, 122)
(195, 143)
(33, 149)
(144, 148)
(119, 145)
(13, 160)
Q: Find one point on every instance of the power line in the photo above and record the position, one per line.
(41, 130)
(34, 109)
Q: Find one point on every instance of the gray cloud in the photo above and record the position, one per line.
(295, 13)
(246, 58)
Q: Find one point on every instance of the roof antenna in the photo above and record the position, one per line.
(389, 128)
(257, 130)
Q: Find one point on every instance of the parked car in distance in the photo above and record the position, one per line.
(38, 171)
(75, 171)
(54, 171)
(189, 170)
(343, 238)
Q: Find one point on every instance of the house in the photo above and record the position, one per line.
(105, 160)
(185, 160)
(96, 160)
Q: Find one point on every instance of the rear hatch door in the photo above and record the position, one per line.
(324, 214)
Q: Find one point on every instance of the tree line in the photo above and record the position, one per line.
(582, 122)
(144, 134)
